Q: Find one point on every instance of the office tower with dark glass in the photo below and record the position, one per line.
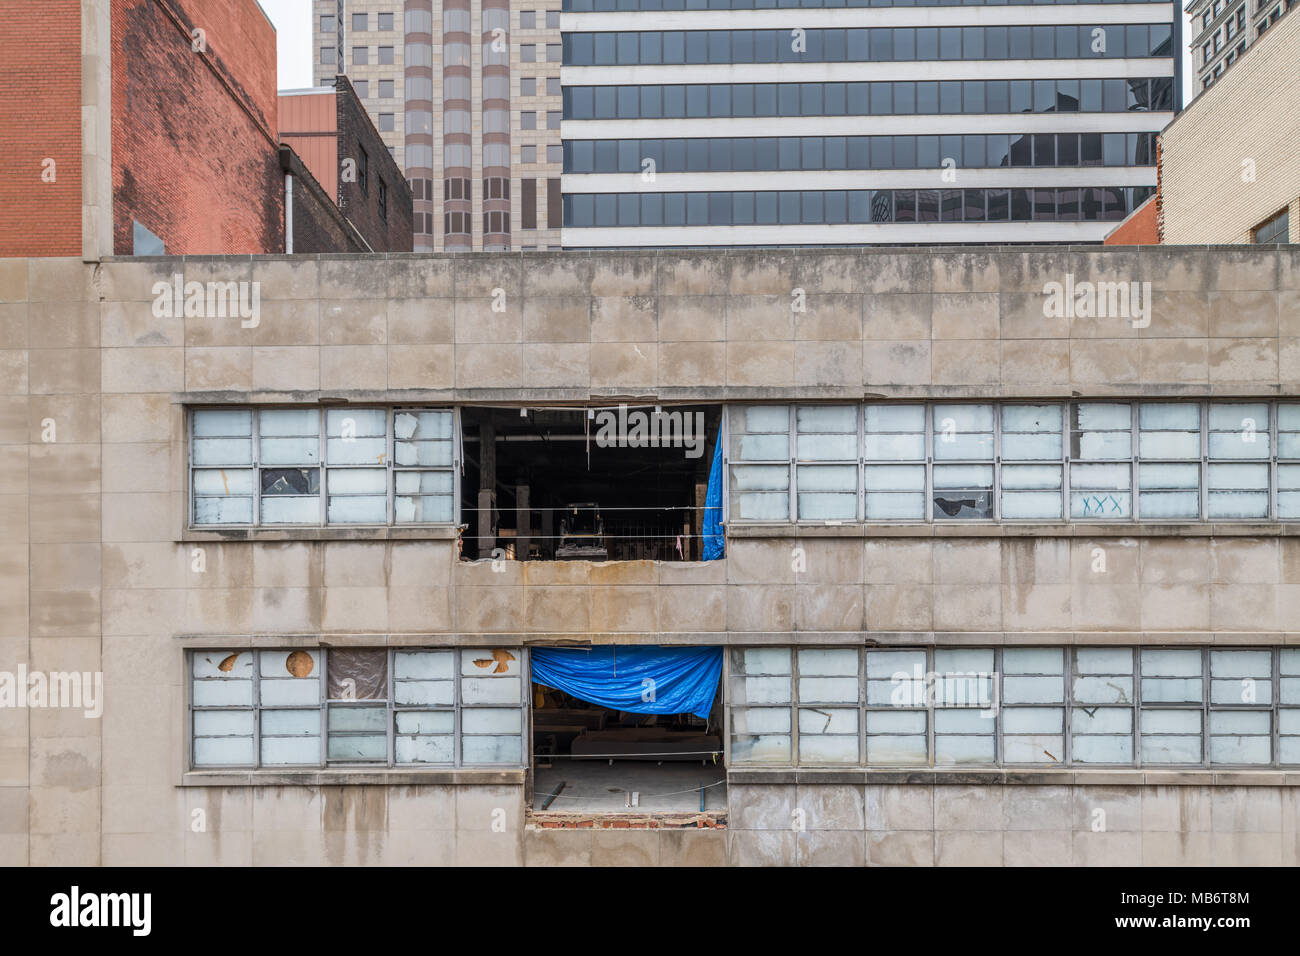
(754, 122)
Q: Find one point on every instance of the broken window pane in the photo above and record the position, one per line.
(422, 437)
(358, 674)
(963, 491)
(424, 496)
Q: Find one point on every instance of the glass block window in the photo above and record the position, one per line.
(314, 466)
(357, 706)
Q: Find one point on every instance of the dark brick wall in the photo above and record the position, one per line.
(40, 118)
(396, 233)
(195, 144)
(318, 226)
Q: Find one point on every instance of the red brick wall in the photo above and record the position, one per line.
(194, 134)
(1139, 229)
(40, 118)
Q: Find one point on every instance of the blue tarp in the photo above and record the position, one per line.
(713, 540)
(639, 680)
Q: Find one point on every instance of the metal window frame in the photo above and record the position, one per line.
(391, 708)
(789, 706)
(255, 466)
(796, 462)
(994, 433)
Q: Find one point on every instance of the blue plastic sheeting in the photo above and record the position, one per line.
(639, 680)
(714, 547)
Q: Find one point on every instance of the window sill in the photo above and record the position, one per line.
(355, 777)
(356, 533)
(1115, 776)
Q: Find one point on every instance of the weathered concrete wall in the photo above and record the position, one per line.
(98, 574)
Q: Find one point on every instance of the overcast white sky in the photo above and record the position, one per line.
(292, 19)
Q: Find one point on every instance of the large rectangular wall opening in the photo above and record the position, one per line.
(591, 757)
(616, 483)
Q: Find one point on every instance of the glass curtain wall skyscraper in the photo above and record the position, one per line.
(811, 122)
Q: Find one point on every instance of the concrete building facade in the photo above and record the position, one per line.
(833, 123)
(935, 467)
(466, 95)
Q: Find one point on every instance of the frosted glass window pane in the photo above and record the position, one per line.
(966, 418)
(1241, 664)
(842, 478)
(1033, 720)
(764, 447)
(1239, 722)
(822, 749)
(760, 720)
(1103, 660)
(1239, 418)
(361, 422)
(357, 509)
(1039, 748)
(1033, 660)
(1102, 720)
(762, 660)
(834, 662)
(883, 506)
(827, 418)
(424, 749)
(896, 722)
(1092, 416)
(289, 451)
(1018, 689)
(963, 431)
(290, 691)
(223, 511)
(962, 721)
(1041, 419)
(223, 693)
(1169, 445)
(223, 482)
(491, 721)
(895, 477)
(423, 482)
(1103, 690)
(828, 507)
(963, 749)
(1157, 505)
(1153, 476)
(888, 750)
(1031, 504)
(903, 418)
(1240, 750)
(895, 447)
(429, 508)
(223, 723)
(490, 690)
(1288, 661)
(829, 721)
(1032, 477)
(422, 452)
(1172, 416)
(828, 447)
(286, 751)
(963, 476)
(761, 690)
(1171, 722)
(357, 718)
(763, 507)
(424, 721)
(427, 692)
(353, 481)
(491, 750)
(1161, 749)
(834, 689)
(761, 418)
(764, 748)
(1090, 749)
(885, 664)
(1171, 663)
(1241, 690)
(281, 723)
(1030, 447)
(951, 661)
(1288, 417)
(222, 421)
(1288, 720)
(760, 478)
(1170, 690)
(1289, 690)
(273, 422)
(367, 747)
(901, 692)
(223, 751)
(222, 451)
(425, 665)
(290, 510)
(960, 446)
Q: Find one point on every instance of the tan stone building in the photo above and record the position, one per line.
(1229, 164)
(1011, 549)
